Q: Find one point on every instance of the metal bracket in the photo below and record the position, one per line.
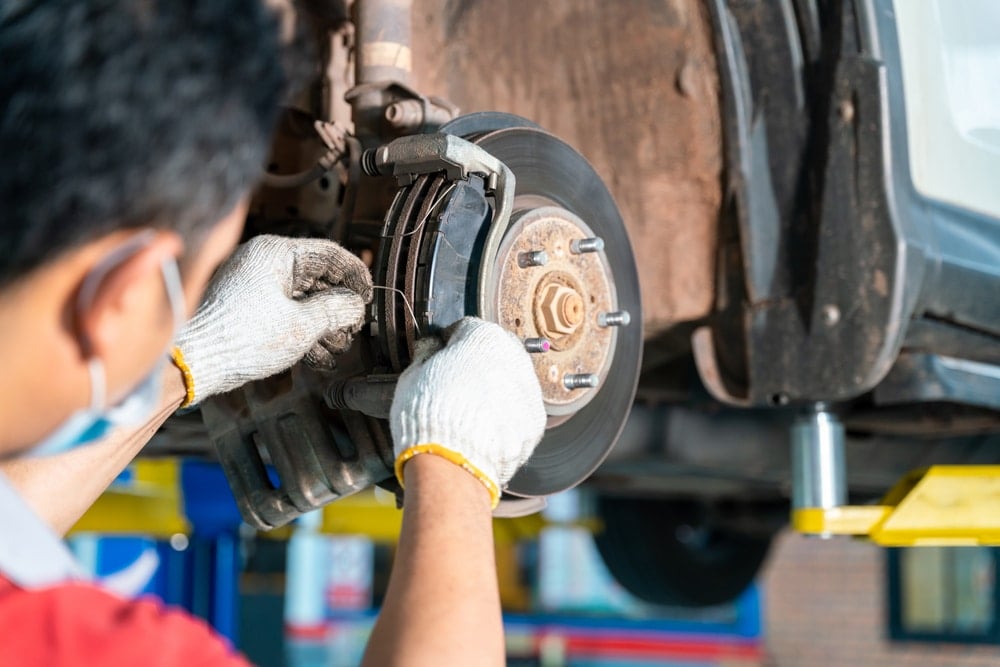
(401, 109)
(409, 157)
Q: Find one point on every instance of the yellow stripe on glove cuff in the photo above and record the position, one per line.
(177, 357)
(452, 456)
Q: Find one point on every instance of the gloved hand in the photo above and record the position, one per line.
(476, 402)
(275, 301)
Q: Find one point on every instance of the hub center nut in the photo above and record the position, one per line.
(560, 311)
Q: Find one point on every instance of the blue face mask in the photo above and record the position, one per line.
(97, 420)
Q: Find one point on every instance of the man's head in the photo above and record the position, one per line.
(121, 116)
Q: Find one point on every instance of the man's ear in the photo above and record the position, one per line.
(126, 295)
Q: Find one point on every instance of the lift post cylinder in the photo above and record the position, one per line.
(819, 471)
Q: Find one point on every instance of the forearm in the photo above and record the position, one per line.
(61, 488)
(443, 603)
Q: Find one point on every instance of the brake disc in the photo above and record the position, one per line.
(551, 174)
(564, 266)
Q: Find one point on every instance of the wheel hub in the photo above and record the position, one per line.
(548, 288)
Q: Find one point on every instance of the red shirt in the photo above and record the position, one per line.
(79, 624)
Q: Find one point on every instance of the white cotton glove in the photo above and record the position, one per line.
(476, 402)
(276, 301)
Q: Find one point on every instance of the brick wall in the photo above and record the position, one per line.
(824, 606)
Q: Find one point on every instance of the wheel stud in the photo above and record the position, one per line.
(532, 258)
(618, 318)
(579, 381)
(536, 345)
(581, 246)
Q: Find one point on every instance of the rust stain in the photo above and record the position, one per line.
(632, 85)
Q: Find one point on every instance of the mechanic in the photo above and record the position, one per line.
(131, 135)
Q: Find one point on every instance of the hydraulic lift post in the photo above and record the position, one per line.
(946, 505)
(818, 466)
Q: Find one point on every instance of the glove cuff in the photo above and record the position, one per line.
(454, 457)
(204, 356)
(177, 357)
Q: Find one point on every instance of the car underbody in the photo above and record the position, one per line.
(733, 159)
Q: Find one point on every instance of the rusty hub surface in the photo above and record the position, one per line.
(559, 300)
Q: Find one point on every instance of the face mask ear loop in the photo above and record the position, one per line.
(100, 271)
(93, 280)
(98, 384)
(175, 291)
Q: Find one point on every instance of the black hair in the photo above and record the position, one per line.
(130, 113)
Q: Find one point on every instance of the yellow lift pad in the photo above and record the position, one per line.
(936, 506)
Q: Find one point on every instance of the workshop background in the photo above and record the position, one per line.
(827, 604)
(307, 596)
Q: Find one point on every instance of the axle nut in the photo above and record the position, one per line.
(561, 309)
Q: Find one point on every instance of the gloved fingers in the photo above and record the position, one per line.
(482, 334)
(497, 426)
(469, 328)
(307, 286)
(332, 311)
(506, 471)
(321, 262)
(425, 348)
(458, 329)
(515, 458)
(358, 277)
(339, 342)
(319, 356)
(323, 354)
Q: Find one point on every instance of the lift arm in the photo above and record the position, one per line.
(937, 506)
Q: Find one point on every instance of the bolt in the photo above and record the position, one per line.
(579, 381)
(581, 246)
(831, 315)
(846, 111)
(618, 318)
(687, 79)
(561, 310)
(532, 258)
(405, 114)
(536, 345)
